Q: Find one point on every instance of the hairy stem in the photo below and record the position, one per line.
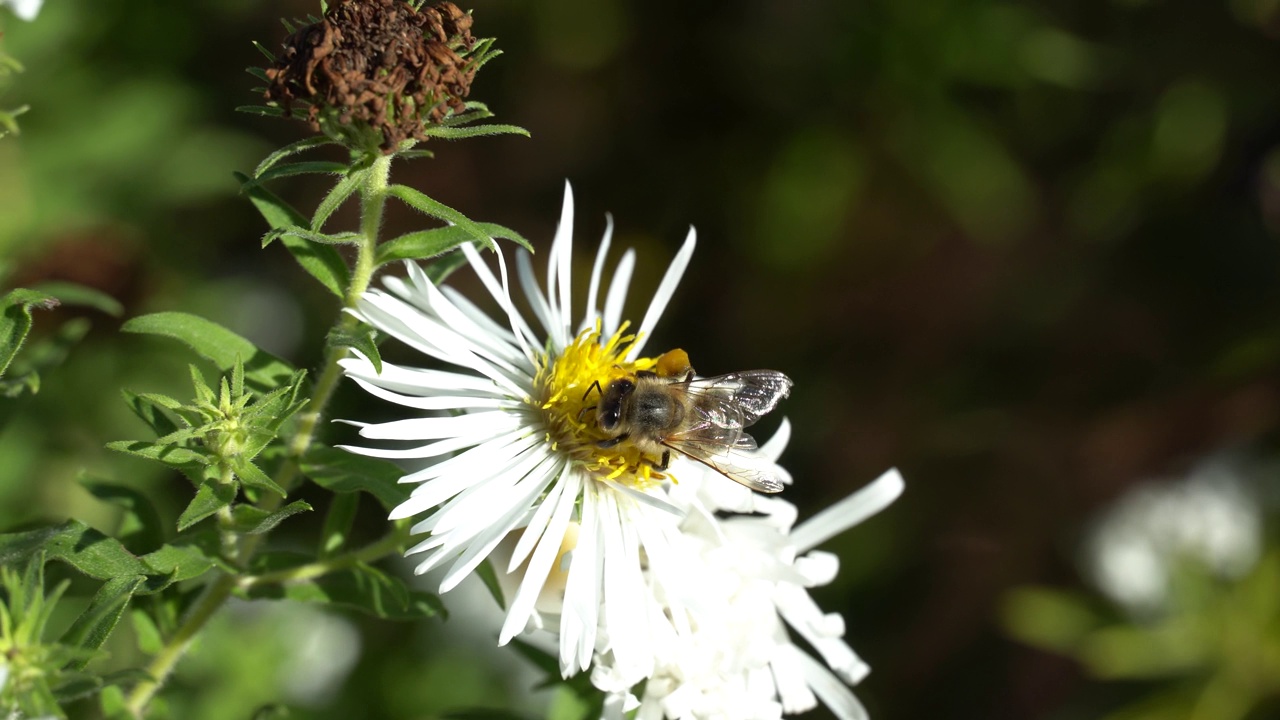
(373, 198)
(382, 548)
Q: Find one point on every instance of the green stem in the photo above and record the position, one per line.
(382, 548)
(163, 663)
(373, 198)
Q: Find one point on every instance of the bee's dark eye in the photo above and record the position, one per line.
(610, 418)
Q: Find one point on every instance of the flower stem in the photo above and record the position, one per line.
(386, 546)
(373, 198)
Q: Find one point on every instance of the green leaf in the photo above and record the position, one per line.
(426, 205)
(310, 167)
(340, 193)
(253, 476)
(265, 51)
(1048, 619)
(69, 293)
(489, 577)
(184, 559)
(470, 131)
(210, 498)
(141, 526)
(148, 635)
(97, 621)
(343, 472)
(150, 407)
(338, 522)
(292, 148)
(362, 338)
(342, 238)
(256, 521)
(321, 261)
(426, 244)
(486, 714)
(263, 110)
(85, 549)
(361, 587)
(15, 321)
(187, 461)
(444, 266)
(263, 371)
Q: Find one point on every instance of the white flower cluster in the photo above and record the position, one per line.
(671, 576)
(25, 9)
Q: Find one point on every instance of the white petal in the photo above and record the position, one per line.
(495, 422)
(501, 292)
(848, 512)
(618, 293)
(665, 290)
(569, 486)
(537, 301)
(593, 311)
(558, 269)
(834, 694)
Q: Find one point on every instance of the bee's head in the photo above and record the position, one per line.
(609, 411)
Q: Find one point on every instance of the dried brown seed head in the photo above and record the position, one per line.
(377, 64)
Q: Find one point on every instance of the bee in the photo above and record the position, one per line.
(703, 419)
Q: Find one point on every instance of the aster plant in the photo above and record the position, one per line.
(648, 582)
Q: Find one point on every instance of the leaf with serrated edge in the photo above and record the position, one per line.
(361, 587)
(210, 498)
(256, 521)
(85, 549)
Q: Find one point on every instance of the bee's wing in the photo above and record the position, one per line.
(738, 399)
(733, 459)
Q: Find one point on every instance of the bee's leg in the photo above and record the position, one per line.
(595, 385)
(583, 411)
(611, 442)
(666, 461)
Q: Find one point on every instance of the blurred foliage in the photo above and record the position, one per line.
(1026, 251)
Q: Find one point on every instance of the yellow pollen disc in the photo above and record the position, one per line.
(569, 387)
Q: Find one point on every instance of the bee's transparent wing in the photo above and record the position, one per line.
(734, 459)
(738, 399)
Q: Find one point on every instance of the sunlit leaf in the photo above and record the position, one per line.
(263, 371)
(344, 472)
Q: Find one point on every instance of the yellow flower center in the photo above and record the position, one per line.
(570, 386)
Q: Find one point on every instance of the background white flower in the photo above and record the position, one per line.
(725, 650)
(1210, 517)
(25, 9)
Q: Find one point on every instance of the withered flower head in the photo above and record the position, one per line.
(376, 66)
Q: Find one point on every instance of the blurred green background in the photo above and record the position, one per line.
(1024, 251)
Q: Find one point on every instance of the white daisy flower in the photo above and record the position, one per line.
(25, 9)
(517, 451)
(726, 651)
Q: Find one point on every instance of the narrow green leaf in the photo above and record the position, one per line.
(444, 266)
(263, 110)
(363, 338)
(252, 476)
(15, 321)
(361, 587)
(273, 209)
(150, 407)
(426, 244)
(263, 371)
(148, 635)
(312, 167)
(69, 293)
(97, 621)
(489, 577)
(338, 522)
(343, 472)
(141, 527)
(185, 460)
(256, 521)
(470, 131)
(340, 193)
(339, 238)
(265, 51)
(210, 498)
(440, 211)
(260, 74)
(292, 148)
